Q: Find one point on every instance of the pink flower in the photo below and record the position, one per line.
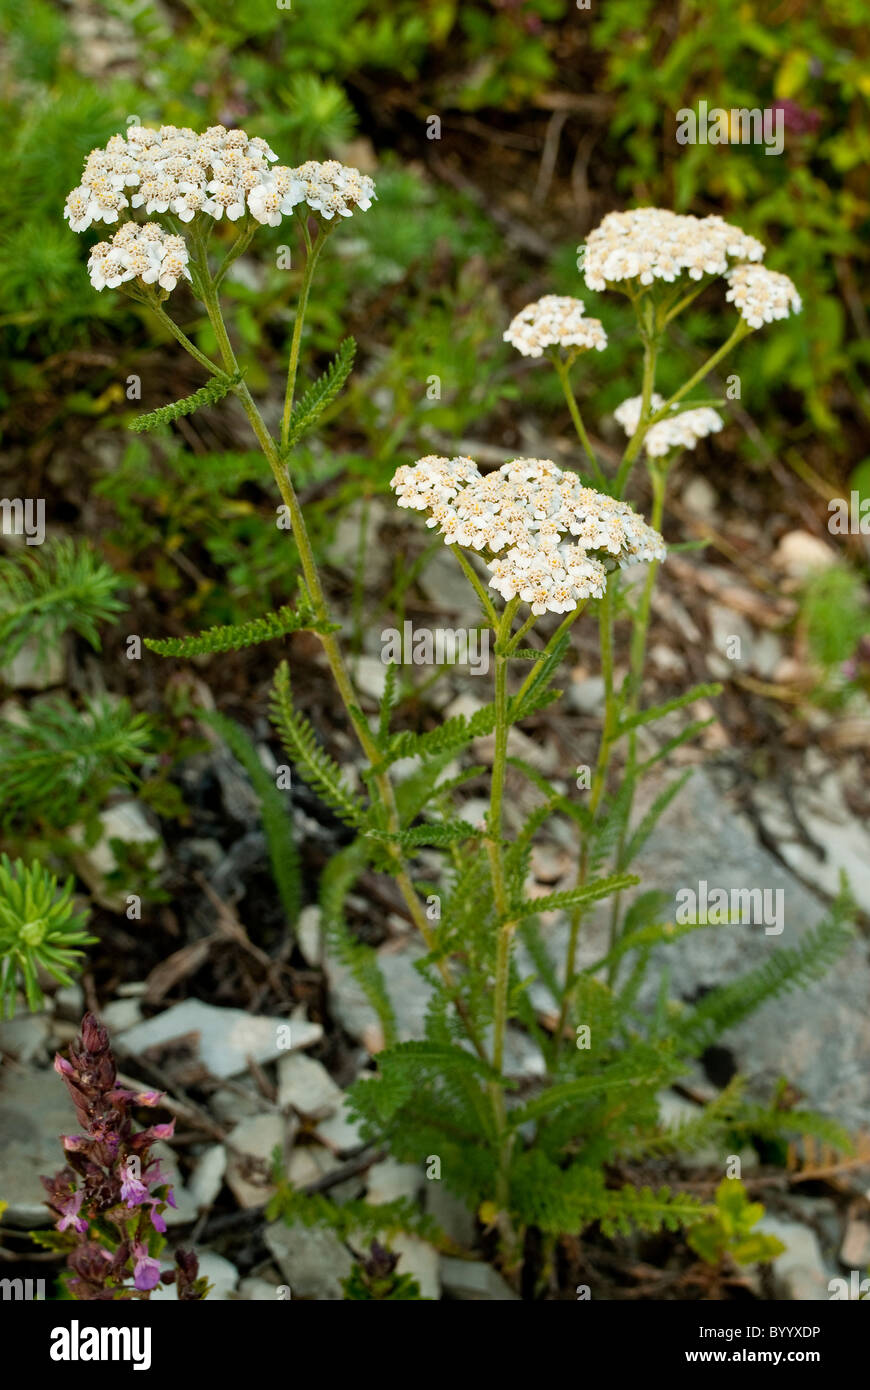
(70, 1208)
(146, 1271)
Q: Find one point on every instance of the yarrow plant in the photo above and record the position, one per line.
(110, 1197)
(533, 540)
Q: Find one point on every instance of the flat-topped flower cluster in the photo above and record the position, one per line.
(547, 535)
(681, 430)
(175, 172)
(649, 244)
(222, 171)
(554, 321)
(139, 250)
(762, 295)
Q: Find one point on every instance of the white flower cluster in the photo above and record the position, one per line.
(679, 431)
(552, 579)
(649, 244)
(554, 321)
(143, 251)
(222, 171)
(528, 508)
(762, 295)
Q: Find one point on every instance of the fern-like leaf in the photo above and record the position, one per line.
(234, 636)
(210, 394)
(300, 740)
(321, 394)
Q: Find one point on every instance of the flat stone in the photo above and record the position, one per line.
(420, 1260)
(800, 553)
(307, 1086)
(120, 1015)
(128, 822)
(226, 1036)
(35, 1110)
(473, 1280)
(260, 1290)
(221, 1273)
(208, 1177)
(855, 1250)
(312, 1260)
(35, 666)
(309, 935)
(340, 1130)
(453, 1216)
(26, 1037)
(253, 1139)
(389, 1180)
(800, 1271)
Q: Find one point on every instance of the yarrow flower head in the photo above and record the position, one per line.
(682, 430)
(762, 295)
(139, 251)
(219, 173)
(554, 321)
(334, 189)
(649, 244)
(550, 526)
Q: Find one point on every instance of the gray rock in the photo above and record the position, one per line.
(800, 1272)
(221, 1273)
(471, 1279)
(26, 1037)
(855, 1250)
(453, 1216)
(121, 1014)
(260, 1290)
(208, 1177)
(420, 1260)
(226, 1036)
(35, 666)
(309, 935)
(128, 822)
(250, 1147)
(312, 1260)
(340, 1130)
(389, 1180)
(307, 1086)
(35, 1110)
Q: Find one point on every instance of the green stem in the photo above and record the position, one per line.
(333, 654)
(740, 332)
(564, 375)
(468, 570)
(599, 781)
(633, 448)
(506, 927)
(182, 338)
(292, 367)
(637, 659)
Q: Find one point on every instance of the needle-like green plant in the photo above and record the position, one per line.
(40, 929)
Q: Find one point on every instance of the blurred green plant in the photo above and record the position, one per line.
(729, 1232)
(39, 930)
